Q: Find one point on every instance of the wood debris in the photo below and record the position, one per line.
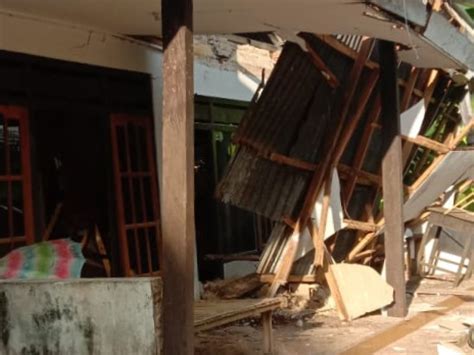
(320, 116)
(232, 289)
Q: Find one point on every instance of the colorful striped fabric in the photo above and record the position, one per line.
(55, 259)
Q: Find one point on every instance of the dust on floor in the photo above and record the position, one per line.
(306, 332)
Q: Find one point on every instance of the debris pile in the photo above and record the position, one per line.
(309, 159)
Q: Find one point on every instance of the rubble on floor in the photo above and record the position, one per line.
(324, 333)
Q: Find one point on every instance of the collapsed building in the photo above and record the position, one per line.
(317, 168)
(312, 141)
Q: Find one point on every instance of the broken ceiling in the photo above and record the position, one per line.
(429, 39)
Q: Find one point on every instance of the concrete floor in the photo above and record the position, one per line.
(427, 325)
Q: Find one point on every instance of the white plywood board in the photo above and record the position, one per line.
(456, 166)
(465, 108)
(362, 289)
(412, 119)
(335, 218)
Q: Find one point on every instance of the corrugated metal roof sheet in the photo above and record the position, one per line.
(296, 116)
(293, 117)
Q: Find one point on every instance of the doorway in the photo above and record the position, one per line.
(69, 109)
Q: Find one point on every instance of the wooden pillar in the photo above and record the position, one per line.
(392, 177)
(178, 177)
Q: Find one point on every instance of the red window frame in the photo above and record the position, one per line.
(20, 115)
(123, 179)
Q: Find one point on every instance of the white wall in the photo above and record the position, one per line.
(76, 43)
(82, 316)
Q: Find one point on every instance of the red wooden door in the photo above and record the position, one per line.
(16, 212)
(136, 191)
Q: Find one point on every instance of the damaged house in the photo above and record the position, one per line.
(327, 142)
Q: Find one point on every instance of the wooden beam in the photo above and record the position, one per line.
(458, 220)
(392, 171)
(178, 177)
(363, 148)
(292, 162)
(409, 87)
(428, 144)
(275, 157)
(347, 51)
(363, 99)
(269, 278)
(361, 226)
(421, 179)
(334, 287)
(322, 67)
(361, 246)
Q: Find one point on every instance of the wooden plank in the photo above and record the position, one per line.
(421, 179)
(460, 221)
(334, 287)
(353, 121)
(347, 51)
(212, 314)
(269, 278)
(267, 333)
(428, 143)
(436, 5)
(286, 262)
(445, 292)
(322, 67)
(293, 162)
(360, 246)
(383, 339)
(363, 148)
(178, 174)
(392, 171)
(276, 157)
(364, 177)
(359, 225)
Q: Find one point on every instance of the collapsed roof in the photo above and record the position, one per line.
(298, 123)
